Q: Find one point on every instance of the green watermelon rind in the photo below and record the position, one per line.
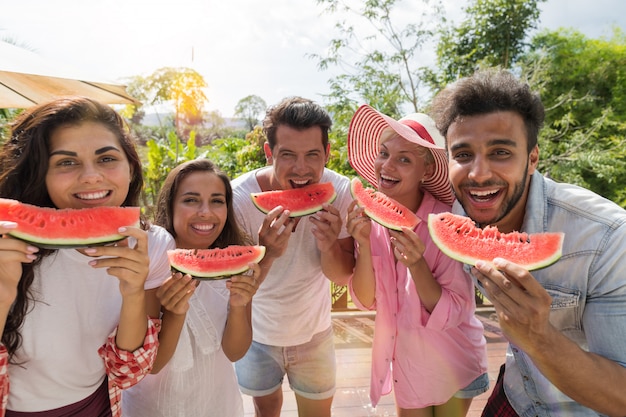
(319, 205)
(356, 185)
(214, 274)
(51, 222)
(65, 243)
(490, 234)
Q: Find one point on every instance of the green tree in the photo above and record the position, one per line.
(183, 88)
(583, 85)
(249, 109)
(494, 33)
(382, 65)
(163, 155)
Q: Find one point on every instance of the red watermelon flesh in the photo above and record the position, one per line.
(215, 263)
(67, 228)
(299, 201)
(381, 208)
(460, 239)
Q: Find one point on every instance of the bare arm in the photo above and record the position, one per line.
(174, 297)
(13, 253)
(363, 280)
(130, 266)
(238, 331)
(523, 308)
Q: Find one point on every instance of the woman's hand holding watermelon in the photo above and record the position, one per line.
(129, 265)
(13, 253)
(175, 292)
(358, 224)
(243, 287)
(408, 248)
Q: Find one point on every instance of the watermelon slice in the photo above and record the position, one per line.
(381, 208)
(51, 228)
(299, 201)
(215, 263)
(460, 239)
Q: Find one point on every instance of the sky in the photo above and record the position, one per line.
(240, 47)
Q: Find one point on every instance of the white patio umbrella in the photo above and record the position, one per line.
(27, 79)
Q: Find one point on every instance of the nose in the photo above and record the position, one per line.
(480, 170)
(204, 210)
(91, 174)
(300, 165)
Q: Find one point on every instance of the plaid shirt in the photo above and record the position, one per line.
(124, 369)
(497, 404)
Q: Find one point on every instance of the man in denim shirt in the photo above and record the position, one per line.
(566, 323)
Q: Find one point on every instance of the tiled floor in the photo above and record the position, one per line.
(353, 337)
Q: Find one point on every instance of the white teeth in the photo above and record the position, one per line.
(92, 196)
(203, 227)
(386, 178)
(483, 193)
(302, 182)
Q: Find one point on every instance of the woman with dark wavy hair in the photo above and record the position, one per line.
(206, 325)
(76, 324)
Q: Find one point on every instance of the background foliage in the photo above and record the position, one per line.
(582, 82)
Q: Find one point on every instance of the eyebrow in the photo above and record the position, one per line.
(493, 142)
(98, 151)
(194, 193)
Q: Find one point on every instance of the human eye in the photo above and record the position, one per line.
(218, 201)
(108, 159)
(63, 162)
(189, 200)
(462, 156)
(501, 154)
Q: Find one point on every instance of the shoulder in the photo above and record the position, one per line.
(339, 181)
(158, 236)
(244, 179)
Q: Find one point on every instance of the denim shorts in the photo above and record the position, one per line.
(310, 368)
(475, 388)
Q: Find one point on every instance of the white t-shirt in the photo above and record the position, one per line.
(293, 303)
(199, 380)
(77, 307)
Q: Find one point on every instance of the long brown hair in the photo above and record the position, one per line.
(23, 168)
(232, 234)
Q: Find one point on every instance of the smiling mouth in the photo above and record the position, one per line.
(388, 180)
(203, 227)
(299, 183)
(96, 195)
(484, 195)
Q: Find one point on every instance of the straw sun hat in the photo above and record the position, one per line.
(368, 128)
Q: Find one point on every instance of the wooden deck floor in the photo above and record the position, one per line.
(353, 337)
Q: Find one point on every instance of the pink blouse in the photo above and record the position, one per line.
(430, 356)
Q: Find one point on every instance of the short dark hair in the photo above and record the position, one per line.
(232, 234)
(489, 91)
(298, 113)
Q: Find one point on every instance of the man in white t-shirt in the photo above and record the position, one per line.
(291, 322)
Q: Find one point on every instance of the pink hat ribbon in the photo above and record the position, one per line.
(421, 130)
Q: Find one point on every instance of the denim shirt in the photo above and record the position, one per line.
(587, 286)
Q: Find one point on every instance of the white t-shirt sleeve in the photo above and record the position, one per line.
(159, 242)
